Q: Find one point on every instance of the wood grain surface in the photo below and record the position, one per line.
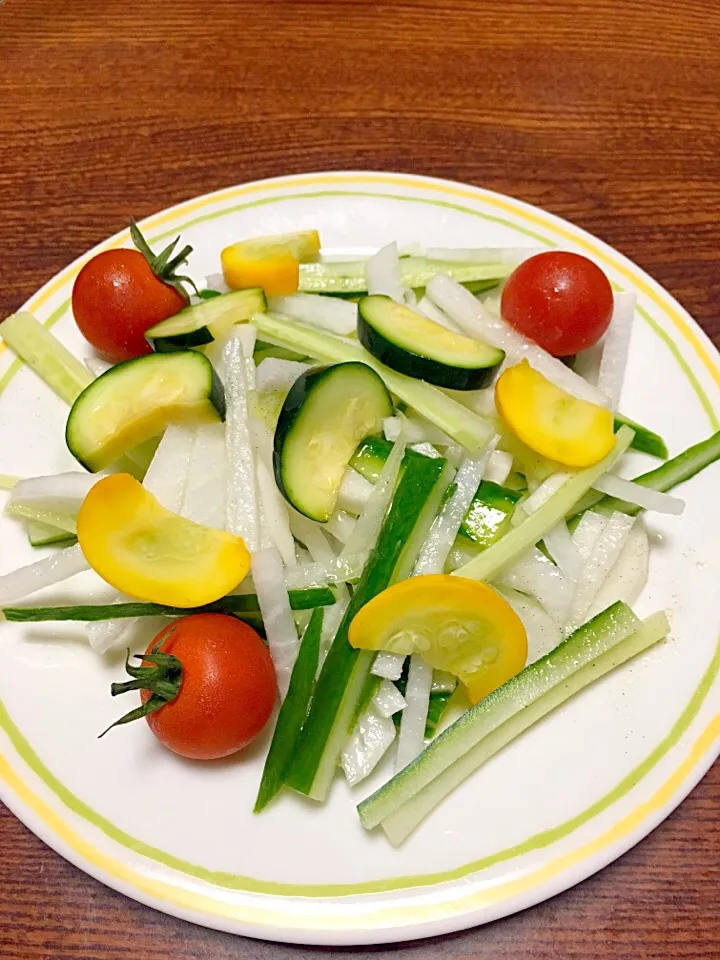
(605, 112)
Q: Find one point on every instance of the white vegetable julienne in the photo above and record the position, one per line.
(463, 551)
(58, 493)
(269, 580)
(428, 309)
(341, 570)
(328, 313)
(417, 430)
(441, 538)
(543, 633)
(106, 635)
(368, 744)
(275, 513)
(354, 492)
(312, 535)
(427, 450)
(332, 618)
(536, 575)
(341, 525)
(366, 530)
(60, 566)
(382, 272)
(273, 374)
(598, 565)
(498, 467)
(414, 718)
(388, 665)
(561, 548)
(482, 254)
(167, 474)
(585, 535)
(388, 700)
(616, 348)
(470, 315)
(540, 496)
(628, 576)
(204, 496)
(97, 366)
(642, 496)
(241, 496)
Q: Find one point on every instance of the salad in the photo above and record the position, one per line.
(379, 500)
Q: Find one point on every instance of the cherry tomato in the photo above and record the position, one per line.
(562, 301)
(116, 298)
(228, 688)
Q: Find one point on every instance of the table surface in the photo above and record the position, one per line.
(603, 112)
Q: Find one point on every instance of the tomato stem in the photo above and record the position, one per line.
(162, 680)
(165, 263)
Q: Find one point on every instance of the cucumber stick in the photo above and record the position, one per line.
(344, 672)
(508, 548)
(238, 604)
(663, 478)
(45, 535)
(645, 440)
(464, 426)
(606, 641)
(293, 713)
(53, 362)
(348, 277)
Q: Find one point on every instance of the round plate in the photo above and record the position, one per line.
(565, 799)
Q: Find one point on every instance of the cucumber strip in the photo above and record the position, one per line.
(349, 276)
(45, 535)
(293, 713)
(464, 426)
(345, 669)
(502, 553)
(26, 511)
(238, 604)
(645, 440)
(400, 824)
(369, 458)
(40, 350)
(663, 478)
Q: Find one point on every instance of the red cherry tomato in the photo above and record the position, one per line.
(228, 687)
(116, 298)
(562, 301)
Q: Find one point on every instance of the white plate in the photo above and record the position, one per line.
(567, 798)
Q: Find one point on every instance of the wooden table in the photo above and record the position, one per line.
(604, 112)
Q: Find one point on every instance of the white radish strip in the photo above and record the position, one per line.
(388, 700)
(61, 493)
(341, 525)
(536, 575)
(382, 272)
(340, 570)
(204, 497)
(97, 366)
(216, 281)
(428, 309)
(241, 497)
(417, 430)
(167, 474)
(587, 363)
(368, 526)
(637, 494)
(43, 573)
(414, 718)
(368, 744)
(332, 619)
(105, 635)
(543, 633)
(275, 375)
(470, 315)
(414, 249)
(274, 603)
(482, 254)
(247, 335)
(628, 577)
(616, 348)
(388, 665)
(443, 682)
(328, 313)
(585, 535)
(561, 548)
(309, 533)
(354, 492)
(463, 551)
(275, 521)
(439, 542)
(427, 450)
(542, 494)
(498, 467)
(598, 565)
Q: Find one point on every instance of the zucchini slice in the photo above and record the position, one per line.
(206, 321)
(134, 401)
(326, 414)
(408, 342)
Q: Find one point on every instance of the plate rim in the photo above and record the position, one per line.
(696, 338)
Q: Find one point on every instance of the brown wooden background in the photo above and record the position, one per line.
(604, 111)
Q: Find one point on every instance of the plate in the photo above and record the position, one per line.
(571, 795)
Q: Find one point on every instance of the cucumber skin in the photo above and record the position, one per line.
(645, 440)
(422, 368)
(370, 457)
(304, 386)
(201, 335)
(420, 474)
(181, 341)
